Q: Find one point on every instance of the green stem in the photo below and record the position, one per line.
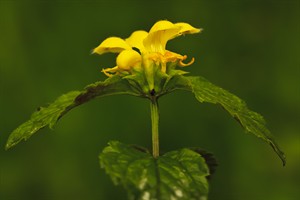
(154, 120)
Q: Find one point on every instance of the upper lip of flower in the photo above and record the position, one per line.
(141, 42)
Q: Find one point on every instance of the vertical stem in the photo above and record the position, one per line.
(155, 120)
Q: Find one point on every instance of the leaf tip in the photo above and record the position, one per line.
(9, 144)
(7, 147)
(278, 151)
(283, 159)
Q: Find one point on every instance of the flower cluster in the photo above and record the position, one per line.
(143, 50)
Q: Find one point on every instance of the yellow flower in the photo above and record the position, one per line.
(143, 51)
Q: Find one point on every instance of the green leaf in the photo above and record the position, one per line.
(209, 158)
(49, 115)
(205, 91)
(178, 175)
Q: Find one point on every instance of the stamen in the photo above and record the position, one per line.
(106, 72)
(181, 64)
(109, 71)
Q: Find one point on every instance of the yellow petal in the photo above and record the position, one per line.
(161, 26)
(159, 34)
(113, 45)
(128, 59)
(136, 39)
(186, 28)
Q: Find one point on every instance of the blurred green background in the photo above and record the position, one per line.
(250, 48)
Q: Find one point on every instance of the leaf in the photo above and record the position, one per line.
(42, 117)
(205, 91)
(178, 175)
(209, 158)
(48, 116)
